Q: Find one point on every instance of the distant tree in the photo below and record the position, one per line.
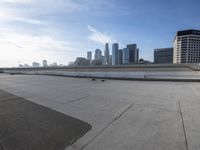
(96, 62)
(141, 61)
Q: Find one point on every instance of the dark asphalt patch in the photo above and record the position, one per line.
(1, 147)
(25, 125)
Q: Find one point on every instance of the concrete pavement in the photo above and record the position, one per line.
(126, 115)
(28, 126)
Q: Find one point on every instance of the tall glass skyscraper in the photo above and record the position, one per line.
(106, 54)
(98, 55)
(120, 58)
(115, 55)
(89, 55)
(125, 56)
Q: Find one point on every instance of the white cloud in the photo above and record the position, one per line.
(99, 37)
(4, 17)
(30, 42)
(28, 48)
(29, 11)
(16, 1)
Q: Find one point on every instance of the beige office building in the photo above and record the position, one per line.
(187, 47)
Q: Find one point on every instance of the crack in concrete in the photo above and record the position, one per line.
(108, 125)
(183, 125)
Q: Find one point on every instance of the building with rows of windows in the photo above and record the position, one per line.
(187, 47)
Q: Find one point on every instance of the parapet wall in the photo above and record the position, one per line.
(187, 72)
(118, 68)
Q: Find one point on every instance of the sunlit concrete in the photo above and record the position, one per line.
(126, 115)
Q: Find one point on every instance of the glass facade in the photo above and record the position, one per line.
(133, 53)
(115, 55)
(120, 57)
(163, 55)
(125, 56)
(106, 54)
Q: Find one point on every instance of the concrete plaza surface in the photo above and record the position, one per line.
(125, 115)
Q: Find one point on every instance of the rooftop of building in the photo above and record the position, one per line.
(123, 114)
(188, 32)
(163, 49)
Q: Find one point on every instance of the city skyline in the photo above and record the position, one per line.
(62, 30)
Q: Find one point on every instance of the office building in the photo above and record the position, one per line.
(115, 49)
(54, 64)
(133, 53)
(104, 60)
(98, 55)
(44, 62)
(120, 58)
(106, 54)
(89, 55)
(163, 55)
(35, 64)
(125, 56)
(110, 60)
(187, 47)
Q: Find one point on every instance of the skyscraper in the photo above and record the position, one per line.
(125, 56)
(45, 63)
(106, 54)
(89, 55)
(187, 47)
(110, 60)
(120, 58)
(133, 53)
(115, 49)
(98, 55)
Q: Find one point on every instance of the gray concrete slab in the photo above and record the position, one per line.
(25, 125)
(190, 107)
(143, 128)
(165, 115)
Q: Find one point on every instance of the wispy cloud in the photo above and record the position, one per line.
(5, 17)
(28, 48)
(99, 37)
(16, 1)
(30, 11)
(29, 42)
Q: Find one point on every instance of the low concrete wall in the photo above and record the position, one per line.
(119, 75)
(118, 68)
(160, 72)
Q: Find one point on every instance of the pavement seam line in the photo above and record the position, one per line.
(183, 125)
(4, 146)
(108, 125)
(195, 91)
(77, 99)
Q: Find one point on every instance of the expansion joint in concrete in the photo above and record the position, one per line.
(3, 146)
(108, 125)
(77, 99)
(183, 125)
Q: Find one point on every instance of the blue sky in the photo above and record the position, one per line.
(61, 30)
